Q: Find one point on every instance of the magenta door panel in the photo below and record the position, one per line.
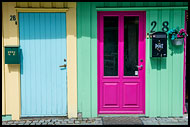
(110, 95)
(130, 95)
(121, 85)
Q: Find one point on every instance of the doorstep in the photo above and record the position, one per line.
(100, 121)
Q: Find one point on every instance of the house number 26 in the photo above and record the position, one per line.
(164, 26)
(12, 17)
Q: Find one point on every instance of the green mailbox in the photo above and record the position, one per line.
(12, 55)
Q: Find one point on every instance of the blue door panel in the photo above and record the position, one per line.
(43, 50)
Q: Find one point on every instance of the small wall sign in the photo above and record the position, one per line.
(136, 72)
(13, 18)
(158, 45)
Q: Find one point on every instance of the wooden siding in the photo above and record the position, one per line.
(3, 75)
(164, 76)
(11, 72)
(71, 59)
(42, 4)
(43, 49)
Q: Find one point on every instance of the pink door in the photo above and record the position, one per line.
(121, 62)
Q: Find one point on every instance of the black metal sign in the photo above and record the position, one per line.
(159, 44)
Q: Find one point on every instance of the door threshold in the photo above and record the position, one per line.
(43, 117)
(121, 115)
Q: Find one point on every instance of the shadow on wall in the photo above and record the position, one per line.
(47, 26)
(21, 62)
(14, 68)
(175, 49)
(158, 63)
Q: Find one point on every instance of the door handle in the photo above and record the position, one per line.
(63, 65)
(139, 66)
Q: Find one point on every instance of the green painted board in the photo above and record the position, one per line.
(84, 62)
(6, 117)
(164, 74)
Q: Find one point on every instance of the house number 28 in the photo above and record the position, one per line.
(164, 26)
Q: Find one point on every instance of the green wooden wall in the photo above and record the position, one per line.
(164, 76)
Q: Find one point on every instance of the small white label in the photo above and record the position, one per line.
(136, 72)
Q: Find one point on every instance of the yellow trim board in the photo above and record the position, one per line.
(11, 72)
(71, 61)
(42, 9)
(3, 73)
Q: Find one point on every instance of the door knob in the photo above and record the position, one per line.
(139, 66)
(63, 65)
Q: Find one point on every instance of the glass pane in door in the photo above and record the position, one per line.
(131, 34)
(110, 46)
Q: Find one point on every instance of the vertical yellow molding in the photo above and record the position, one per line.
(12, 72)
(3, 72)
(71, 60)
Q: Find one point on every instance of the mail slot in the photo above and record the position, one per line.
(159, 45)
(12, 55)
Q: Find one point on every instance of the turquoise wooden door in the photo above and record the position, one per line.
(43, 50)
